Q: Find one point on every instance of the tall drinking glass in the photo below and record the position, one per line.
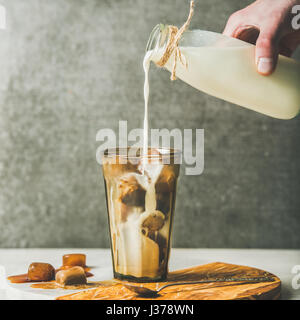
(140, 197)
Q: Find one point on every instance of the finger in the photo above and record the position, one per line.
(232, 24)
(266, 52)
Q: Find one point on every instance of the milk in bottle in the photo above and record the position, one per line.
(225, 68)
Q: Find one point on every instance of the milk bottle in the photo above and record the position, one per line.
(225, 68)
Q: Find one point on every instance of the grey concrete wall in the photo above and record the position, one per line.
(72, 67)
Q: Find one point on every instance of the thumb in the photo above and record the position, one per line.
(266, 53)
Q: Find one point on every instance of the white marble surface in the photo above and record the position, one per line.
(15, 261)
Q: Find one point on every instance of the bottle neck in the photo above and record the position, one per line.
(158, 38)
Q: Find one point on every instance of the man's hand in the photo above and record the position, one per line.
(268, 23)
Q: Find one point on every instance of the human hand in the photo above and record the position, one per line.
(268, 24)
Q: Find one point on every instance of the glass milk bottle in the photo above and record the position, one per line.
(225, 68)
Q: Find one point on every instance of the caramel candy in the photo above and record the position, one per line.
(74, 259)
(153, 221)
(131, 192)
(72, 276)
(38, 271)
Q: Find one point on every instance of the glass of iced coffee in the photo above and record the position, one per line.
(140, 195)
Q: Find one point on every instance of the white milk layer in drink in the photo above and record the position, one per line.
(229, 73)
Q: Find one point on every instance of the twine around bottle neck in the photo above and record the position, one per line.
(174, 36)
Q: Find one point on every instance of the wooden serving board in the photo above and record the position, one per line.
(210, 291)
